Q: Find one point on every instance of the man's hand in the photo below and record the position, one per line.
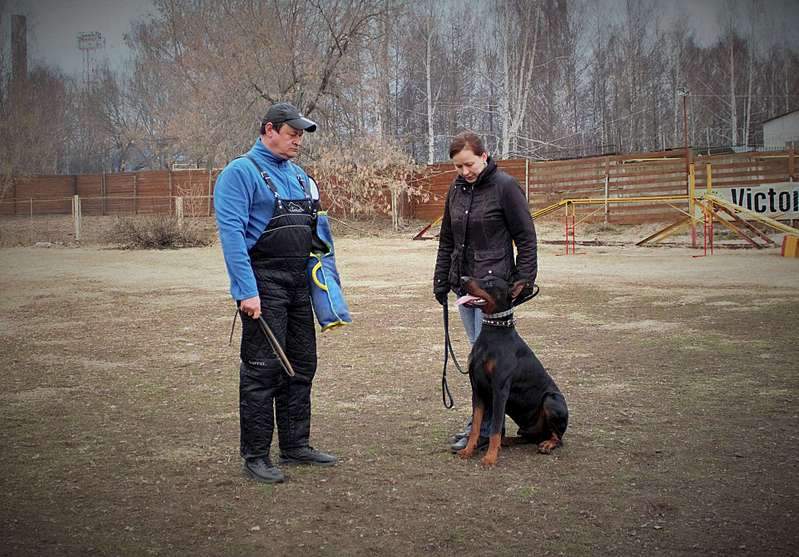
(251, 306)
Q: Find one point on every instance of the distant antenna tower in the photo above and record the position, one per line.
(89, 44)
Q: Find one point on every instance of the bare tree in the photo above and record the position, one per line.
(517, 42)
(429, 26)
(225, 64)
(33, 126)
(528, 75)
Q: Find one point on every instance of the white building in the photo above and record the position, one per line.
(780, 131)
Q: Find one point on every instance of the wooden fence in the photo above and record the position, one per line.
(638, 175)
(127, 193)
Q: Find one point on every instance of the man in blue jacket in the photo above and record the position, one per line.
(265, 210)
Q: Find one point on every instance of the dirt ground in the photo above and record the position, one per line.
(119, 405)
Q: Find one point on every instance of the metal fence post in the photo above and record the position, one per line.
(76, 216)
(709, 177)
(209, 191)
(527, 180)
(607, 188)
(692, 201)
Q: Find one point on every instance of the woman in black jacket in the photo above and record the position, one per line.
(485, 214)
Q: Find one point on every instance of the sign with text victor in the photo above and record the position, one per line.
(778, 201)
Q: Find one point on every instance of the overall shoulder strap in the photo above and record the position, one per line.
(299, 173)
(305, 188)
(264, 174)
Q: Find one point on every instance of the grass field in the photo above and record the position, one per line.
(119, 405)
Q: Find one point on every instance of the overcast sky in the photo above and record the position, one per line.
(53, 25)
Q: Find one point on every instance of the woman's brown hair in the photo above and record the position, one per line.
(466, 140)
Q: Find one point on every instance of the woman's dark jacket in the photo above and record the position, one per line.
(481, 222)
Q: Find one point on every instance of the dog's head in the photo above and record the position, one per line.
(491, 294)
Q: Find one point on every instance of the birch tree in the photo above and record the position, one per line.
(427, 23)
(517, 41)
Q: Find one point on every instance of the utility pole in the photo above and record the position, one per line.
(684, 92)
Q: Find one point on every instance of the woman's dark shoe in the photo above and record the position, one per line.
(307, 455)
(262, 470)
(460, 435)
(482, 444)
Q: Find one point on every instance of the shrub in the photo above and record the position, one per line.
(159, 232)
(368, 176)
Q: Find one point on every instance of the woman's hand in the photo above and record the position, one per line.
(441, 293)
(522, 291)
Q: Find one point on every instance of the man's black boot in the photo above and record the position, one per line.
(306, 455)
(262, 470)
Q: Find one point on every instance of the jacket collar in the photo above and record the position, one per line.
(262, 153)
(488, 171)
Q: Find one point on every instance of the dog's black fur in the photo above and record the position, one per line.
(507, 378)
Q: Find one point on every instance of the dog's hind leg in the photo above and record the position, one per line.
(555, 415)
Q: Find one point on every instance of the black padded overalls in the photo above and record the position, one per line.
(279, 260)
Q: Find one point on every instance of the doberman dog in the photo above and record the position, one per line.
(507, 377)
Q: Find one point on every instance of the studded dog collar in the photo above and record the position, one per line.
(501, 319)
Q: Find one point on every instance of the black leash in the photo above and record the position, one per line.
(445, 393)
(526, 295)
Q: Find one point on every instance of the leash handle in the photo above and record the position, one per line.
(532, 293)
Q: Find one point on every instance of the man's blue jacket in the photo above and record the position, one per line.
(244, 205)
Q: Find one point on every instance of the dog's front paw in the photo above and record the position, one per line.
(466, 453)
(489, 460)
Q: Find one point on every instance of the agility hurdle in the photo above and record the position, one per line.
(570, 207)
